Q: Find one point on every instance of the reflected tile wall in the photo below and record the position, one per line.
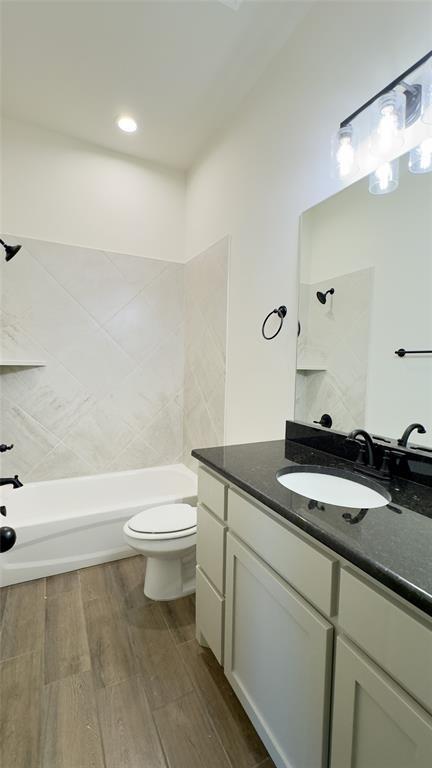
(206, 281)
(334, 336)
(135, 359)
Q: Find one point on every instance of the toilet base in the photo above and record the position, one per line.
(169, 579)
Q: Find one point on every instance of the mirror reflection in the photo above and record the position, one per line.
(365, 293)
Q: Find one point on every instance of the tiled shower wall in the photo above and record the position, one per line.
(205, 345)
(111, 330)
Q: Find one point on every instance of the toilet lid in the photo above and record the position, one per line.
(168, 518)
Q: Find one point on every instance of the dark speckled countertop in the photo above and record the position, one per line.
(393, 544)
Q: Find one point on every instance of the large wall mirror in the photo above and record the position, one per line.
(365, 292)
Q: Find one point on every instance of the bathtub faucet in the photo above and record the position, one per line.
(15, 481)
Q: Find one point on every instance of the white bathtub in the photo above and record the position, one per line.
(62, 525)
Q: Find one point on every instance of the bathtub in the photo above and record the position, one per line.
(62, 525)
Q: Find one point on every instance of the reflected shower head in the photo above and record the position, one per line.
(322, 297)
(11, 250)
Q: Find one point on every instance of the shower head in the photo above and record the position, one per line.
(11, 250)
(322, 297)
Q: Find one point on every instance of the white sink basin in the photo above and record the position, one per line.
(340, 490)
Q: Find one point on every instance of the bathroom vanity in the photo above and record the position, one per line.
(320, 609)
(323, 622)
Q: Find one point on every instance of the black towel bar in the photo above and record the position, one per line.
(403, 352)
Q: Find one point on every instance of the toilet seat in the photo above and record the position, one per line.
(168, 521)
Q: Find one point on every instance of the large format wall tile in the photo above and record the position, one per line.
(144, 323)
(135, 370)
(19, 428)
(89, 276)
(59, 463)
(99, 436)
(206, 283)
(136, 271)
(152, 385)
(59, 323)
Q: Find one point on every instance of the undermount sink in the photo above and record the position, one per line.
(338, 487)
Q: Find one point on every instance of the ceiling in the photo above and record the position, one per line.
(180, 68)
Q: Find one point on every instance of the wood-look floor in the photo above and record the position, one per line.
(94, 675)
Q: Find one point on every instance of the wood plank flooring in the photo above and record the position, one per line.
(95, 675)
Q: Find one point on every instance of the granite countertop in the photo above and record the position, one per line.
(393, 544)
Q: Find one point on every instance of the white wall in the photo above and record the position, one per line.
(60, 189)
(270, 165)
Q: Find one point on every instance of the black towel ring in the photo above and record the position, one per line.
(281, 313)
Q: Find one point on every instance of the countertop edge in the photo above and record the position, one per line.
(389, 579)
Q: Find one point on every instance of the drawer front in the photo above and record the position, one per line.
(398, 641)
(310, 572)
(210, 614)
(210, 547)
(212, 493)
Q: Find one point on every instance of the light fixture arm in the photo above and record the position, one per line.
(390, 87)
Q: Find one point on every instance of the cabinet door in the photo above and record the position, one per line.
(375, 723)
(278, 658)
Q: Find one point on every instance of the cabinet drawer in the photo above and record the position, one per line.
(212, 493)
(310, 572)
(397, 640)
(210, 547)
(209, 611)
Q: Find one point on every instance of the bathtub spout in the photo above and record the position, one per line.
(15, 481)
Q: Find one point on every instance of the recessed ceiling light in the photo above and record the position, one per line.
(127, 124)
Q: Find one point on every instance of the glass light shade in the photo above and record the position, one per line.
(385, 178)
(388, 125)
(420, 158)
(426, 108)
(344, 154)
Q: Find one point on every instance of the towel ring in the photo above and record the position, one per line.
(281, 313)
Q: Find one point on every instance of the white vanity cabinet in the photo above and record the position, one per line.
(210, 573)
(333, 670)
(375, 723)
(278, 657)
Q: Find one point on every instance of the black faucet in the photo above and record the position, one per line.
(368, 446)
(15, 481)
(403, 441)
(7, 535)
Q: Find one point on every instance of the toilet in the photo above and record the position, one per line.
(166, 535)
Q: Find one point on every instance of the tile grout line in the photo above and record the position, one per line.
(76, 301)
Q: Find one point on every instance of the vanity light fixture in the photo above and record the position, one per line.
(420, 158)
(127, 124)
(344, 152)
(385, 178)
(388, 123)
(396, 107)
(426, 108)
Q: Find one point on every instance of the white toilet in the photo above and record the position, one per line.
(166, 535)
